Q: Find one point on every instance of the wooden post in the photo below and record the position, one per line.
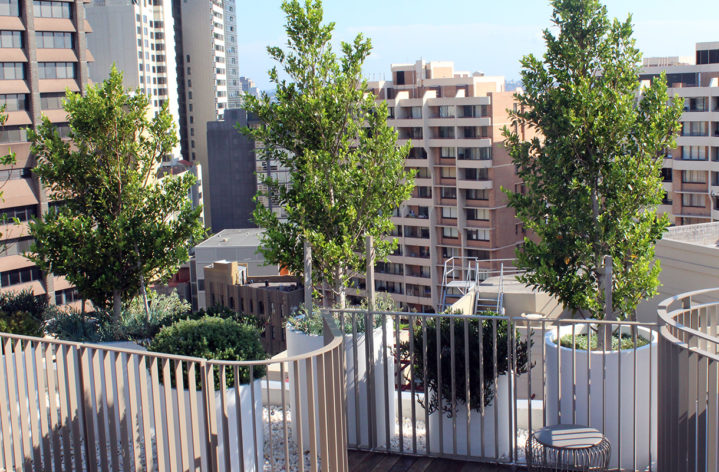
(608, 299)
(370, 273)
(308, 277)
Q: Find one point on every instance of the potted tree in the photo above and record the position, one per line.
(489, 385)
(592, 183)
(222, 339)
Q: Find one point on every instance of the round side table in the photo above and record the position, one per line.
(567, 447)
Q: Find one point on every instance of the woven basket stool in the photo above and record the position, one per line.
(567, 447)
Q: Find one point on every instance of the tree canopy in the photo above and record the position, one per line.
(115, 224)
(346, 171)
(592, 172)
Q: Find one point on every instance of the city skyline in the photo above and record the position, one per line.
(403, 32)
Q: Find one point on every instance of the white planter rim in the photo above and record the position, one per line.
(550, 339)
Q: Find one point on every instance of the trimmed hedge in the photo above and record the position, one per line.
(213, 338)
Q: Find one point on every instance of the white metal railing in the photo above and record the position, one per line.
(73, 406)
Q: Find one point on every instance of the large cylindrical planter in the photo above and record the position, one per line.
(610, 392)
(299, 343)
(482, 428)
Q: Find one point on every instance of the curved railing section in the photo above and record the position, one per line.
(689, 382)
(75, 406)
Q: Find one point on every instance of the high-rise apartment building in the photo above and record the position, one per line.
(234, 86)
(205, 38)
(454, 121)
(691, 171)
(43, 52)
(138, 38)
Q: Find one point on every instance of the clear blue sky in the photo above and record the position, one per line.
(477, 35)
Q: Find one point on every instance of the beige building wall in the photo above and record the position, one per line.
(454, 121)
(35, 80)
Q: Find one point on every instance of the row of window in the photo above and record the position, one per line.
(53, 40)
(18, 134)
(23, 213)
(46, 70)
(19, 276)
(19, 101)
(478, 234)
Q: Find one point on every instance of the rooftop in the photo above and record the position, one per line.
(242, 237)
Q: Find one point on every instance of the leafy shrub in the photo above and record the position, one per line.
(74, 326)
(504, 360)
(213, 338)
(137, 325)
(22, 313)
(314, 324)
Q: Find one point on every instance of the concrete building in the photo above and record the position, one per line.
(691, 171)
(270, 298)
(454, 121)
(240, 245)
(204, 36)
(138, 37)
(234, 85)
(233, 184)
(43, 53)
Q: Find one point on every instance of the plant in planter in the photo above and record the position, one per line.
(592, 186)
(222, 339)
(22, 313)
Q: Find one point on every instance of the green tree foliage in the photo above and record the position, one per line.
(346, 171)
(592, 173)
(119, 225)
(22, 313)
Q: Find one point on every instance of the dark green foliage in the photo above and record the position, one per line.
(347, 173)
(446, 326)
(138, 325)
(213, 338)
(580, 342)
(22, 313)
(592, 173)
(119, 225)
(74, 326)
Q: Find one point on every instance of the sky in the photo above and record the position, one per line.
(477, 35)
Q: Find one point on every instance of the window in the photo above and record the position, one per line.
(19, 276)
(447, 152)
(12, 71)
(14, 102)
(446, 111)
(478, 234)
(475, 154)
(448, 172)
(10, 39)
(476, 174)
(53, 40)
(448, 232)
(44, 9)
(666, 174)
(448, 192)
(415, 112)
(693, 200)
(23, 213)
(9, 8)
(56, 70)
(473, 194)
(449, 212)
(445, 132)
(694, 153)
(13, 134)
(481, 214)
(694, 176)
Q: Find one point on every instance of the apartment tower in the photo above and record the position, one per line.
(454, 122)
(43, 52)
(205, 37)
(691, 171)
(138, 38)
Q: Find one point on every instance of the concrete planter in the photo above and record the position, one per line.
(618, 402)
(300, 343)
(481, 430)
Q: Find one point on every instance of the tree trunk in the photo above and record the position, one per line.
(83, 307)
(143, 291)
(340, 290)
(116, 305)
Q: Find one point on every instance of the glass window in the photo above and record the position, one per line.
(694, 176)
(448, 172)
(44, 9)
(450, 232)
(14, 102)
(51, 101)
(10, 39)
(13, 134)
(693, 200)
(9, 8)
(449, 212)
(56, 70)
(447, 152)
(478, 234)
(53, 40)
(12, 71)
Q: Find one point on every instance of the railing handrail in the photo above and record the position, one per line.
(669, 319)
(336, 340)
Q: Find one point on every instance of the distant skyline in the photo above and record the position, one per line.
(490, 37)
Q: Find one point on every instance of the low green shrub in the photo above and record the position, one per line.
(444, 352)
(213, 338)
(22, 313)
(580, 342)
(137, 325)
(74, 326)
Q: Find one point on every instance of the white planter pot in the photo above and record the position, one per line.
(300, 343)
(246, 407)
(616, 399)
(481, 431)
